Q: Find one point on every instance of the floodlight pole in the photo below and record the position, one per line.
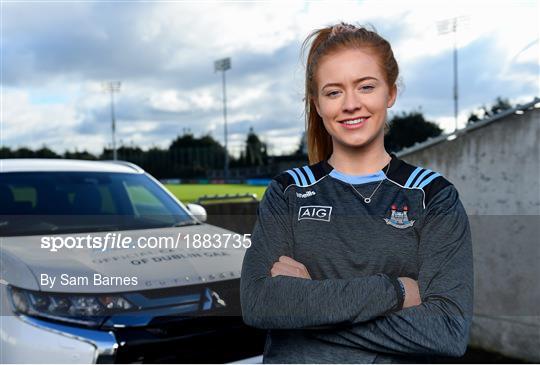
(224, 65)
(225, 132)
(456, 98)
(446, 26)
(112, 87)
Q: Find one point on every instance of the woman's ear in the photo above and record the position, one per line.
(393, 96)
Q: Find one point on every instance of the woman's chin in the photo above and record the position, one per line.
(354, 143)
(357, 140)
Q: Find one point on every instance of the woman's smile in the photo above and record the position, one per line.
(354, 123)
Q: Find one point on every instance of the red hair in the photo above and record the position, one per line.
(324, 42)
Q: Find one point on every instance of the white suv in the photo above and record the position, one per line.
(86, 275)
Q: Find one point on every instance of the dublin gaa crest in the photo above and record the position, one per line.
(399, 219)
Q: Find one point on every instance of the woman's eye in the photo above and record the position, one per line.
(332, 93)
(367, 88)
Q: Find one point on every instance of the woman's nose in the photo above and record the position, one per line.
(351, 102)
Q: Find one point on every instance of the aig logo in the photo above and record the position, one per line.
(315, 212)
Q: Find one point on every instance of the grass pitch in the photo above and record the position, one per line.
(189, 193)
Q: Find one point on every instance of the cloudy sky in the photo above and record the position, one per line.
(57, 54)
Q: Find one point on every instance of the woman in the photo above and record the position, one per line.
(359, 257)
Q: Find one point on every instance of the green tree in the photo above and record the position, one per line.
(302, 146)
(256, 153)
(5, 152)
(407, 129)
(45, 152)
(80, 155)
(192, 157)
(499, 105)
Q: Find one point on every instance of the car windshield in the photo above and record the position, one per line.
(33, 203)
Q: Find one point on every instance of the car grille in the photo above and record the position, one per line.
(211, 334)
(198, 340)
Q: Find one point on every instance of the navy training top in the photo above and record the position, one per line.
(352, 309)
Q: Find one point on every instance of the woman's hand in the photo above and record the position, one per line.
(289, 267)
(412, 294)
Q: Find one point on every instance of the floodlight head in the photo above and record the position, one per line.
(450, 25)
(223, 64)
(111, 85)
(444, 26)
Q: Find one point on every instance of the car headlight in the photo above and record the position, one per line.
(83, 309)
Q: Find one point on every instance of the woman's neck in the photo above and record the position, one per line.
(354, 161)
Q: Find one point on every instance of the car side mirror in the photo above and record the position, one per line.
(198, 211)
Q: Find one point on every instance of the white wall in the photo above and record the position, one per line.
(496, 169)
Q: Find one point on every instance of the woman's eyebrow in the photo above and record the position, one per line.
(354, 82)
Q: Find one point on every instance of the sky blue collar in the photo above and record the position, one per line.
(358, 179)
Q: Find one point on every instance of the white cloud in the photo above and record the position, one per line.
(161, 48)
(23, 121)
(168, 100)
(211, 30)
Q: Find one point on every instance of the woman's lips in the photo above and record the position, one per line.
(354, 126)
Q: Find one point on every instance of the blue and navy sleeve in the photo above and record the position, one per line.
(285, 302)
(440, 325)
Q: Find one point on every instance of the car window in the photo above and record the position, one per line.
(108, 205)
(143, 201)
(42, 202)
(25, 195)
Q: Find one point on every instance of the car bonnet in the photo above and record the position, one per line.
(154, 268)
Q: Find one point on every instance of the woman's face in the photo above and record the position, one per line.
(352, 98)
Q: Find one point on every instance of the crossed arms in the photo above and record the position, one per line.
(366, 312)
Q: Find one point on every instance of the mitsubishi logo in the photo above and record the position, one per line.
(212, 300)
